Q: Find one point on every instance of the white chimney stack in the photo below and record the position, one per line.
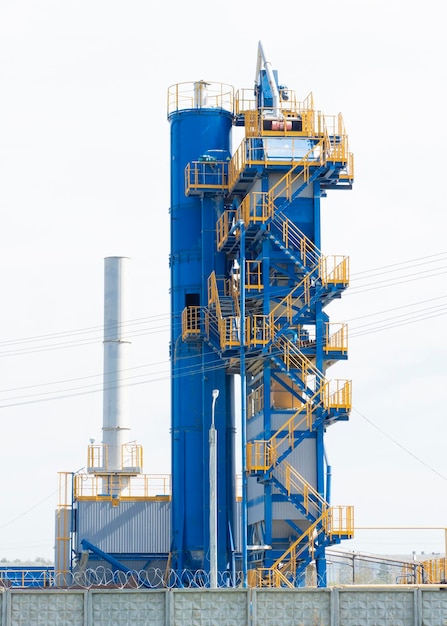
(116, 429)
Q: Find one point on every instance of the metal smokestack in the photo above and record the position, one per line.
(115, 430)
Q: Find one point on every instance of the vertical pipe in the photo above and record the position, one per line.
(115, 428)
(213, 496)
(243, 403)
(329, 484)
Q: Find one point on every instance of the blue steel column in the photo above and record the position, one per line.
(320, 561)
(243, 405)
(195, 368)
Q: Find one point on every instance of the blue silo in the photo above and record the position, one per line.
(201, 118)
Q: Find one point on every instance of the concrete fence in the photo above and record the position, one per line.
(337, 606)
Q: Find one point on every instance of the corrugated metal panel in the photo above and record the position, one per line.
(304, 460)
(128, 528)
(255, 427)
(285, 510)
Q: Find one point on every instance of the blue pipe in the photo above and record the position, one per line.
(86, 545)
(243, 403)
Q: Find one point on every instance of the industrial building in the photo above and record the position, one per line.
(251, 348)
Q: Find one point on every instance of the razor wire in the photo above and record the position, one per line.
(159, 579)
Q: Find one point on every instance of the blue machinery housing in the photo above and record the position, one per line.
(249, 291)
(251, 346)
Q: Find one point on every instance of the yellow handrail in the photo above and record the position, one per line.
(429, 571)
(293, 237)
(206, 175)
(298, 296)
(139, 487)
(255, 401)
(224, 224)
(294, 359)
(334, 270)
(336, 341)
(98, 456)
(191, 317)
(338, 398)
(295, 484)
(263, 455)
(200, 94)
(335, 521)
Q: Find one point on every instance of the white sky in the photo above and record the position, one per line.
(84, 174)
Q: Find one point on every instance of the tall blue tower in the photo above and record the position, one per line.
(201, 119)
(250, 295)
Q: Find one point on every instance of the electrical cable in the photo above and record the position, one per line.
(371, 423)
(167, 317)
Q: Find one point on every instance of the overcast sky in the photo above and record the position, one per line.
(84, 174)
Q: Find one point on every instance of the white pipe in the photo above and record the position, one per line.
(115, 430)
(213, 496)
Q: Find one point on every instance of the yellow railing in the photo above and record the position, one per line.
(276, 575)
(250, 153)
(339, 522)
(285, 186)
(349, 174)
(430, 571)
(141, 487)
(295, 239)
(224, 225)
(298, 297)
(64, 489)
(253, 209)
(222, 327)
(191, 318)
(206, 175)
(328, 148)
(263, 455)
(289, 107)
(253, 275)
(98, 457)
(336, 341)
(227, 328)
(334, 270)
(258, 207)
(260, 331)
(337, 394)
(200, 95)
(232, 288)
(294, 359)
(230, 332)
(296, 484)
(334, 521)
(213, 294)
(245, 100)
(255, 401)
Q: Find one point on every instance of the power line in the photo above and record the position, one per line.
(397, 443)
(130, 331)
